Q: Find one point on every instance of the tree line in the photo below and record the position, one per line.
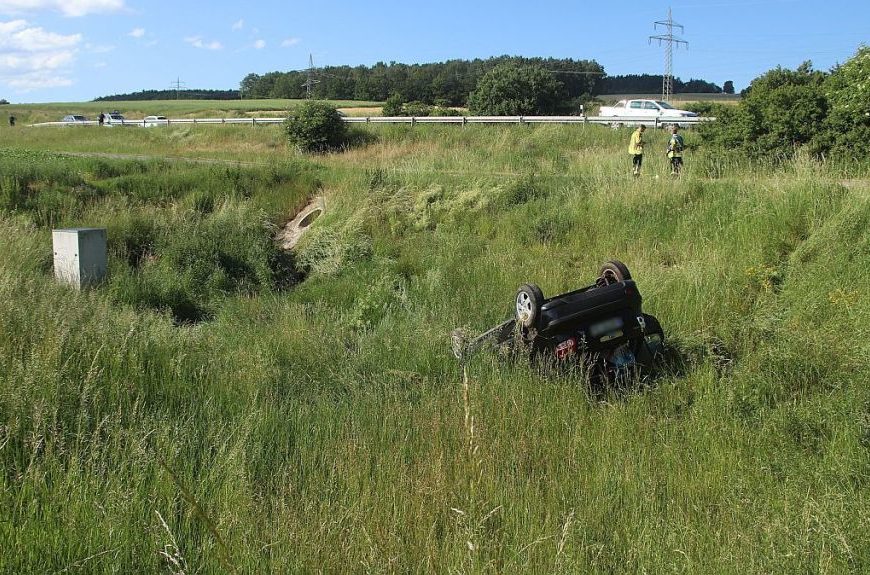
(172, 95)
(444, 83)
(651, 84)
(448, 83)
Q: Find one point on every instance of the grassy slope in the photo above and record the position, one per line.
(327, 427)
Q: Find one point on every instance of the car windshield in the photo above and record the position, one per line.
(665, 105)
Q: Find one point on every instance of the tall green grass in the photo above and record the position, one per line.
(324, 426)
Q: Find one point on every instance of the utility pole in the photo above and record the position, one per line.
(310, 81)
(669, 40)
(177, 84)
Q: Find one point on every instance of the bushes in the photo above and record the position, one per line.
(848, 93)
(395, 106)
(512, 90)
(316, 127)
(780, 111)
(784, 110)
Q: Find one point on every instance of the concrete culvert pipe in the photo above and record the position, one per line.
(291, 233)
(312, 215)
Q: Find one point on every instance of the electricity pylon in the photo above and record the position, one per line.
(669, 40)
(310, 82)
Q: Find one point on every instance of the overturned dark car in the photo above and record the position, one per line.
(601, 325)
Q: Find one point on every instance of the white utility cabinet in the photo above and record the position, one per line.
(80, 257)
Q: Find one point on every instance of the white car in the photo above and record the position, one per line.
(74, 119)
(115, 119)
(151, 121)
(644, 109)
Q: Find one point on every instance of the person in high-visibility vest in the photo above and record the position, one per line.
(635, 148)
(675, 151)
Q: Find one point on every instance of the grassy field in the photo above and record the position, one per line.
(220, 406)
(53, 112)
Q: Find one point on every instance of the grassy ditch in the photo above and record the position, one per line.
(323, 424)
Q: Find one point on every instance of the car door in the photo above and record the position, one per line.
(636, 108)
(651, 109)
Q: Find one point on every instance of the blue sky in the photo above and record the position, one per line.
(76, 50)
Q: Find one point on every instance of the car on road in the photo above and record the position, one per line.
(646, 111)
(74, 119)
(115, 119)
(152, 121)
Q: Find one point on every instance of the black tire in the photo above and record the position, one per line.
(614, 271)
(528, 304)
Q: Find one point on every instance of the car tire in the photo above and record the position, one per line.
(614, 271)
(528, 302)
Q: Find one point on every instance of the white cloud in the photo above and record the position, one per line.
(239, 25)
(260, 44)
(38, 80)
(136, 32)
(31, 57)
(197, 42)
(290, 42)
(17, 35)
(72, 8)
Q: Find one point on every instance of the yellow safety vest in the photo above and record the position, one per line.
(635, 145)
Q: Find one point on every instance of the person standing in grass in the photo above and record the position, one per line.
(675, 151)
(635, 148)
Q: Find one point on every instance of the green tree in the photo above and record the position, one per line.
(848, 93)
(316, 127)
(781, 111)
(728, 87)
(393, 106)
(516, 90)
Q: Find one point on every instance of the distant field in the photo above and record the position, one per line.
(54, 111)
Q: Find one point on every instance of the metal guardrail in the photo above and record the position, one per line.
(614, 121)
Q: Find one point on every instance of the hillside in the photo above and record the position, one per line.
(222, 406)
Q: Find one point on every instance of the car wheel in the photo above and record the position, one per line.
(529, 300)
(614, 271)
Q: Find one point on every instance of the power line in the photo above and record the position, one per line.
(669, 40)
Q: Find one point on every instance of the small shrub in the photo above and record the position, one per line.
(443, 111)
(316, 127)
(393, 106)
(417, 109)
